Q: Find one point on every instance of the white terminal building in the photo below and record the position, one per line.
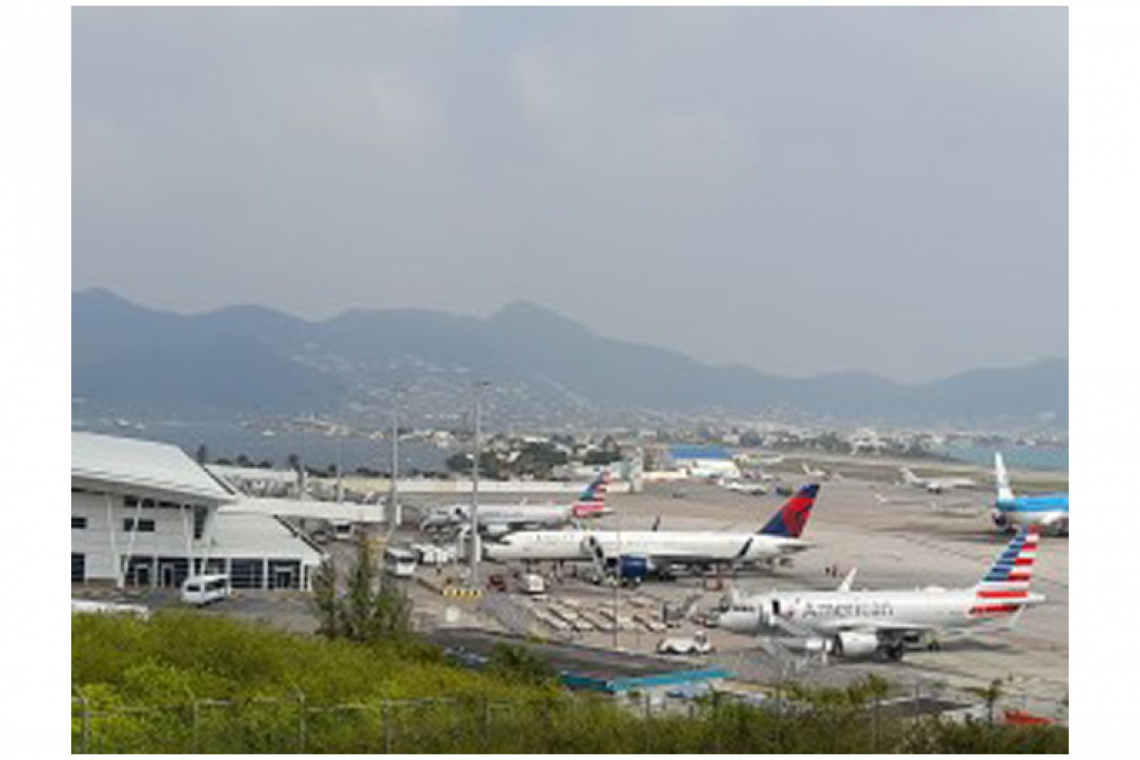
(703, 462)
(144, 514)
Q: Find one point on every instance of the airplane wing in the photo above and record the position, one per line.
(694, 556)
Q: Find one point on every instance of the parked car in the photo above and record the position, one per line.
(695, 644)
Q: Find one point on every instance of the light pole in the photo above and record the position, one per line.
(473, 553)
(395, 516)
(617, 580)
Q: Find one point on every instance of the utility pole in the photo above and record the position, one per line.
(339, 466)
(473, 546)
(395, 516)
(617, 579)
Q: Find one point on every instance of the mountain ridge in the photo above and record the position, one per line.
(534, 355)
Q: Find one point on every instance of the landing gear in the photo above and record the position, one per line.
(892, 652)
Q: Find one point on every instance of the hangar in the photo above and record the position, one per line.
(144, 514)
(703, 461)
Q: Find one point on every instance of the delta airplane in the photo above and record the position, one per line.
(653, 549)
(500, 519)
(881, 623)
(934, 485)
(1049, 510)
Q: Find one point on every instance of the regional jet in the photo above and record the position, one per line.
(500, 519)
(1049, 510)
(850, 623)
(934, 485)
(960, 508)
(635, 552)
(751, 488)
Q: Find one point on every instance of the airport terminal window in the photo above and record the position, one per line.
(246, 573)
(284, 573)
(143, 526)
(212, 566)
(172, 571)
(139, 571)
(200, 514)
(78, 523)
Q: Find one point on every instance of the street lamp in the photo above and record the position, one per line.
(395, 516)
(473, 553)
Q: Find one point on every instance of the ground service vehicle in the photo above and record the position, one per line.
(201, 590)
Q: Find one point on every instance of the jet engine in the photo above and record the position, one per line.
(855, 644)
(496, 530)
(811, 644)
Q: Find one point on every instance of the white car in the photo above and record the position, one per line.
(696, 644)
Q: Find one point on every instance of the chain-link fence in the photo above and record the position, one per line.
(300, 723)
(565, 723)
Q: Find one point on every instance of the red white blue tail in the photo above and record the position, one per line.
(793, 516)
(592, 502)
(1005, 587)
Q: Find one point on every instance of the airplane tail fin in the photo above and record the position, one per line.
(1004, 491)
(592, 501)
(1004, 589)
(793, 516)
(908, 476)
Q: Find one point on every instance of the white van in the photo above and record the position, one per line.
(206, 589)
(400, 562)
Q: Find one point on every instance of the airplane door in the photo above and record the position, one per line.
(775, 608)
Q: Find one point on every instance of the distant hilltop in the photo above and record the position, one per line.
(543, 367)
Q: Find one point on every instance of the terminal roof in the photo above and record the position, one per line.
(129, 462)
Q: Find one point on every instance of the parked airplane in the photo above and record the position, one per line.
(881, 623)
(813, 472)
(752, 488)
(819, 474)
(500, 519)
(934, 485)
(957, 508)
(1049, 510)
(648, 551)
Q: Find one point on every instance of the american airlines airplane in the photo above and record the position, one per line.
(779, 538)
(881, 623)
(500, 519)
(934, 485)
(1049, 510)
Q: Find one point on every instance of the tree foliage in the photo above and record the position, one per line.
(373, 605)
(191, 681)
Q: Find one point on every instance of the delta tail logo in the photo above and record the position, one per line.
(793, 516)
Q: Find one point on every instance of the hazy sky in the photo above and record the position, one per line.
(801, 190)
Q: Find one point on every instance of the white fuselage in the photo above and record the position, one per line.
(698, 546)
(826, 612)
(502, 514)
(937, 485)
